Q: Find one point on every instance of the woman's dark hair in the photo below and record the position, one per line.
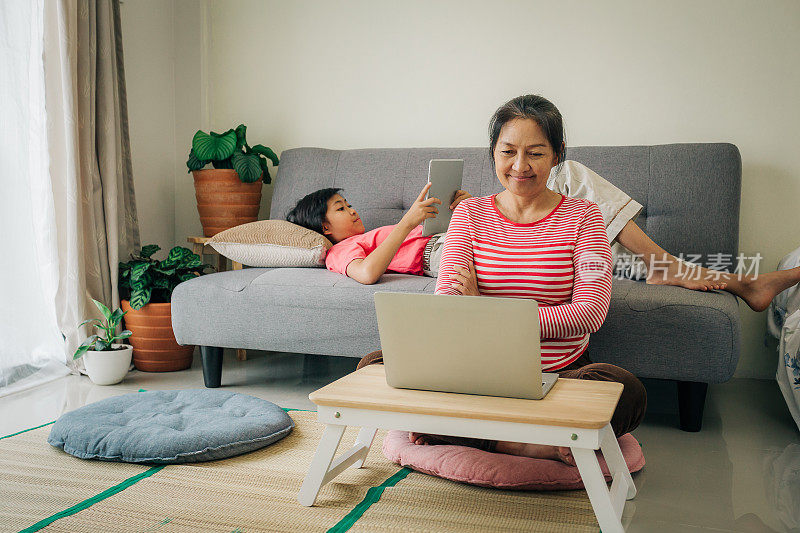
(310, 211)
(534, 107)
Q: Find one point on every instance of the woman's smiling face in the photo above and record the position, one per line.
(341, 220)
(523, 157)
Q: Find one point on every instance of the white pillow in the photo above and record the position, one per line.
(272, 243)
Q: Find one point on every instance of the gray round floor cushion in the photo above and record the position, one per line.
(170, 427)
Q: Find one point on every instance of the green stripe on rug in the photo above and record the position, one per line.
(373, 495)
(131, 481)
(26, 430)
(93, 500)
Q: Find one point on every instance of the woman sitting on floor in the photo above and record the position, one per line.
(531, 242)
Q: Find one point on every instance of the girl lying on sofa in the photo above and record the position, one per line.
(366, 255)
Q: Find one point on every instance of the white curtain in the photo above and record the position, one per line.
(64, 216)
(94, 215)
(68, 202)
(32, 349)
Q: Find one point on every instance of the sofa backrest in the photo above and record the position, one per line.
(690, 192)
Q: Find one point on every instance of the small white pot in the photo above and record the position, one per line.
(108, 368)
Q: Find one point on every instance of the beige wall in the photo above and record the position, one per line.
(149, 52)
(418, 73)
(191, 107)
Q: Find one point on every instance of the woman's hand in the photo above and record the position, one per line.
(420, 209)
(460, 195)
(465, 281)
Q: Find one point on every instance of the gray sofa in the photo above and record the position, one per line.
(690, 194)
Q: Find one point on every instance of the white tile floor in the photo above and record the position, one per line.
(740, 473)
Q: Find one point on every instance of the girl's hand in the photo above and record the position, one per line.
(465, 281)
(460, 195)
(420, 209)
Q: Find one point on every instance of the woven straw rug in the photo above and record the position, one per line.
(45, 489)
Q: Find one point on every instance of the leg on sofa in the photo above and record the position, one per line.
(212, 366)
(691, 402)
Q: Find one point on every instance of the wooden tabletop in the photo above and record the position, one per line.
(571, 402)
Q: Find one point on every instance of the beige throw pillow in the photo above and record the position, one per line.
(272, 243)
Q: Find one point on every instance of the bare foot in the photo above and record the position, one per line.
(537, 451)
(670, 271)
(759, 292)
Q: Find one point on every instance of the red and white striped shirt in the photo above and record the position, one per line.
(562, 261)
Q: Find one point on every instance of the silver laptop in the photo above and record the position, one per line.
(467, 344)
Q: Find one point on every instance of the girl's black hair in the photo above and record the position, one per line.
(534, 107)
(310, 211)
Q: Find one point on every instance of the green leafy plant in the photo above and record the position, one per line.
(108, 328)
(230, 150)
(143, 279)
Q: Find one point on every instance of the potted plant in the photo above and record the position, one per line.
(106, 362)
(229, 194)
(146, 286)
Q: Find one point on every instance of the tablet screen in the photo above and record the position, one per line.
(445, 178)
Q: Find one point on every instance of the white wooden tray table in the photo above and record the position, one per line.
(576, 413)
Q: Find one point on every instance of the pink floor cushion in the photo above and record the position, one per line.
(498, 470)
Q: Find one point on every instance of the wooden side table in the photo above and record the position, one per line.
(198, 247)
(575, 413)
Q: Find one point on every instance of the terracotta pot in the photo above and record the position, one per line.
(223, 201)
(154, 346)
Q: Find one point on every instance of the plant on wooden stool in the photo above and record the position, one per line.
(230, 193)
(143, 279)
(107, 329)
(230, 150)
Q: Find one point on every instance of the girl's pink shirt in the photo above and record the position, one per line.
(407, 260)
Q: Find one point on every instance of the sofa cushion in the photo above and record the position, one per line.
(286, 309)
(317, 311)
(272, 243)
(666, 332)
(498, 470)
(170, 427)
(332, 291)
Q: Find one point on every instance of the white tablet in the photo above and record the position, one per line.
(445, 176)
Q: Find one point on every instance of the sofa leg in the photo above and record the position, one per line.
(212, 366)
(691, 403)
